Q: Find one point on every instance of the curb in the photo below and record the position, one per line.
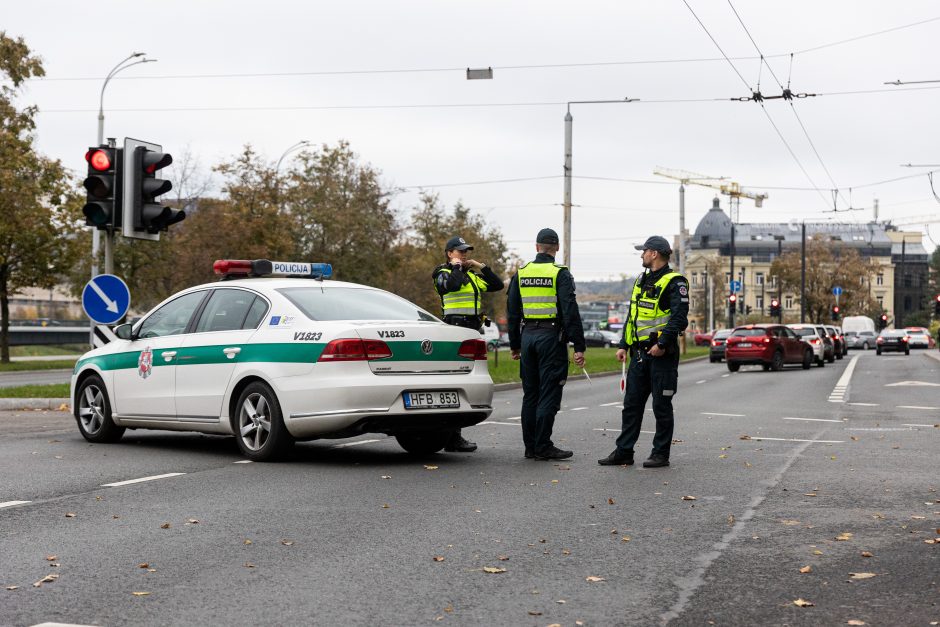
(11, 404)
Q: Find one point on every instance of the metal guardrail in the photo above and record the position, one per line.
(53, 334)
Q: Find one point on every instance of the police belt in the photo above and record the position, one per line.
(540, 323)
(470, 322)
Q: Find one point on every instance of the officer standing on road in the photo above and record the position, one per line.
(659, 309)
(460, 282)
(543, 316)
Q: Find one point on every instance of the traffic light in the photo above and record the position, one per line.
(149, 214)
(835, 313)
(103, 203)
(747, 309)
(883, 321)
(733, 302)
(774, 307)
(936, 305)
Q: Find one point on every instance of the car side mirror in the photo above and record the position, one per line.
(124, 331)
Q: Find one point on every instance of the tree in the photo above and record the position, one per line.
(829, 265)
(38, 202)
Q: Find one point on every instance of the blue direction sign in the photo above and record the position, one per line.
(106, 298)
(735, 286)
(837, 291)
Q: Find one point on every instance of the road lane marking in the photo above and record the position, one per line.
(915, 407)
(611, 404)
(910, 425)
(811, 419)
(702, 381)
(493, 422)
(578, 408)
(13, 503)
(618, 430)
(838, 393)
(712, 413)
(515, 418)
(725, 375)
(142, 479)
(865, 404)
(356, 443)
(243, 461)
(760, 437)
(877, 429)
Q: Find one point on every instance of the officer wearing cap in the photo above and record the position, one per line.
(543, 317)
(460, 282)
(659, 309)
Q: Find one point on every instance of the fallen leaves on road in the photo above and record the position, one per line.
(249, 565)
(730, 519)
(192, 521)
(845, 535)
(143, 565)
(722, 456)
(930, 542)
(247, 542)
(140, 594)
(493, 570)
(688, 498)
(810, 494)
(610, 501)
(790, 523)
(817, 552)
(855, 621)
(867, 554)
(806, 569)
(386, 476)
(47, 579)
(803, 603)
(438, 558)
(594, 579)
(534, 613)
(878, 516)
(918, 518)
(385, 505)
(625, 539)
(51, 558)
(70, 514)
(165, 526)
(861, 575)
(427, 467)
(503, 558)
(287, 542)
(12, 587)
(744, 437)
(554, 480)
(560, 601)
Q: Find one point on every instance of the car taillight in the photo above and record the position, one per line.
(472, 349)
(714, 342)
(766, 340)
(880, 340)
(814, 340)
(354, 349)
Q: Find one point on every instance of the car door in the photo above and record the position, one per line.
(148, 390)
(208, 355)
(794, 344)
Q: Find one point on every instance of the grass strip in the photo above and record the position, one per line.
(58, 364)
(52, 390)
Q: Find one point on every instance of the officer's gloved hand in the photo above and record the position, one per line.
(515, 353)
(621, 355)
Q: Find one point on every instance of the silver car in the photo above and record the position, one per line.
(860, 339)
(814, 335)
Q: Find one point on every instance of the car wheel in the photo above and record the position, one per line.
(840, 354)
(832, 358)
(776, 364)
(807, 359)
(259, 427)
(93, 412)
(712, 360)
(865, 346)
(424, 443)
(821, 362)
(765, 367)
(733, 367)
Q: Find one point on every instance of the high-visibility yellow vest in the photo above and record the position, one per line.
(646, 315)
(538, 287)
(466, 300)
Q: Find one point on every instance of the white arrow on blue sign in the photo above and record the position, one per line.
(106, 298)
(837, 291)
(735, 286)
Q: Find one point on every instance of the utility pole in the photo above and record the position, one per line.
(899, 307)
(731, 281)
(803, 276)
(566, 237)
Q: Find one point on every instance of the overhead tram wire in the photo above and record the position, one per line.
(461, 69)
(785, 91)
(763, 108)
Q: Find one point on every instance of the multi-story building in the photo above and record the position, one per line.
(757, 245)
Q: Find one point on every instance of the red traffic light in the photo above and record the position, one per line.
(733, 298)
(99, 159)
(937, 298)
(835, 309)
(884, 317)
(774, 303)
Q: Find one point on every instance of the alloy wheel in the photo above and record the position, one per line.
(254, 421)
(91, 409)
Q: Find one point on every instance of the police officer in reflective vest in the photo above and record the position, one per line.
(659, 308)
(543, 317)
(460, 282)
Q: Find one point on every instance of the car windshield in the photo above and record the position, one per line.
(720, 335)
(349, 303)
(894, 333)
(749, 333)
(804, 332)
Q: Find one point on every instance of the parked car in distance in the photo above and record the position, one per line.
(919, 337)
(814, 336)
(717, 351)
(838, 341)
(893, 340)
(605, 339)
(769, 345)
(860, 339)
(703, 338)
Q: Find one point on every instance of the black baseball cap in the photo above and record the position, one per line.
(457, 243)
(547, 236)
(657, 243)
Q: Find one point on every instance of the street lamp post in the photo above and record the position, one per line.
(95, 236)
(277, 168)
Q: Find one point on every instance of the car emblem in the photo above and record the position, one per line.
(427, 347)
(145, 363)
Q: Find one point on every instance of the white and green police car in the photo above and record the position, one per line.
(274, 353)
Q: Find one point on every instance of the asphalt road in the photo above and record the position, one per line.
(780, 465)
(34, 377)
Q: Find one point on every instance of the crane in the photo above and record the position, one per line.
(728, 188)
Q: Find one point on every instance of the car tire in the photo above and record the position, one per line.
(807, 359)
(832, 358)
(840, 354)
(93, 412)
(776, 364)
(820, 362)
(765, 367)
(712, 360)
(865, 346)
(259, 424)
(733, 366)
(424, 443)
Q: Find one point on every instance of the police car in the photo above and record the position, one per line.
(274, 353)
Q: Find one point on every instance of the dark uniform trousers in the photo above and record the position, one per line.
(544, 370)
(647, 375)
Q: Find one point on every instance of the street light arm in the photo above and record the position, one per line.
(299, 144)
(117, 68)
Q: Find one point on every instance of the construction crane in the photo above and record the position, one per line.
(726, 187)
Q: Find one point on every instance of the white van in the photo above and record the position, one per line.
(857, 324)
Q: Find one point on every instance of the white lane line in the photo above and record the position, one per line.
(515, 418)
(508, 424)
(578, 408)
(356, 443)
(700, 382)
(618, 430)
(838, 393)
(811, 419)
(725, 375)
(60, 625)
(611, 404)
(243, 461)
(712, 413)
(759, 438)
(910, 425)
(877, 429)
(13, 503)
(865, 404)
(142, 479)
(915, 407)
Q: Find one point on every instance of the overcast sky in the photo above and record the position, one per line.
(308, 71)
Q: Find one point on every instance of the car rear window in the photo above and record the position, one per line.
(804, 332)
(720, 335)
(749, 333)
(349, 303)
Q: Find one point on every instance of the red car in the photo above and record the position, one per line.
(702, 338)
(769, 345)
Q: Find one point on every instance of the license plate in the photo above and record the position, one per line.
(438, 399)
(744, 345)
